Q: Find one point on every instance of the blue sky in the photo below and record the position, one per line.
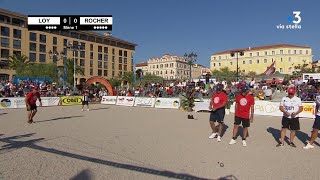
(201, 26)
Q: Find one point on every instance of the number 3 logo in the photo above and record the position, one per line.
(297, 16)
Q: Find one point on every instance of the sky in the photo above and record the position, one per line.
(177, 27)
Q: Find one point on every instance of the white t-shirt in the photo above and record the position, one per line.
(291, 105)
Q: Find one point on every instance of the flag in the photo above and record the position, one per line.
(271, 69)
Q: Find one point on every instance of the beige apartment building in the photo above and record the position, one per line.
(257, 59)
(199, 71)
(100, 55)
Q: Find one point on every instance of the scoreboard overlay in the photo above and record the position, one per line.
(70, 22)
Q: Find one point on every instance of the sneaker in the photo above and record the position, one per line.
(219, 138)
(292, 145)
(308, 146)
(280, 145)
(244, 143)
(232, 141)
(213, 135)
(81, 109)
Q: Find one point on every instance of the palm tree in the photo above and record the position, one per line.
(18, 63)
(138, 73)
(191, 59)
(128, 78)
(70, 70)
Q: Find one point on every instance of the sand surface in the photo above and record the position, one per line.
(112, 142)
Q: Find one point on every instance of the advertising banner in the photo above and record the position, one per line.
(71, 100)
(170, 103)
(20, 102)
(144, 102)
(307, 76)
(125, 101)
(267, 108)
(109, 100)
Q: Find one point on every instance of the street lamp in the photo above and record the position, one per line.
(72, 47)
(241, 53)
(191, 59)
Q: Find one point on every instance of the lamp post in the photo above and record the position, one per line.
(55, 56)
(191, 59)
(72, 47)
(241, 53)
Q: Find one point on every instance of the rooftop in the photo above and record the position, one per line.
(142, 64)
(261, 48)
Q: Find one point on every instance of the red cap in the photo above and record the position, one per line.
(35, 88)
(291, 91)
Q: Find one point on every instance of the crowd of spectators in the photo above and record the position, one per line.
(261, 90)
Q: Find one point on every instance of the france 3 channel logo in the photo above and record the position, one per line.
(295, 22)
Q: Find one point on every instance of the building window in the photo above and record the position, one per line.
(106, 57)
(258, 61)
(281, 60)
(214, 58)
(4, 53)
(214, 64)
(161, 66)
(99, 48)
(113, 73)
(113, 59)
(82, 62)
(265, 60)
(5, 42)
(157, 66)
(5, 31)
(65, 42)
(33, 36)
(289, 59)
(42, 48)
(100, 57)
(125, 68)
(43, 38)
(91, 63)
(91, 55)
(99, 64)
(231, 63)
(82, 54)
(219, 57)
(120, 59)
(281, 51)
(99, 72)
(112, 66)
(272, 60)
(120, 52)
(83, 46)
(307, 52)
(125, 53)
(258, 54)
(113, 51)
(273, 53)
(289, 51)
(33, 57)
(42, 58)
(91, 47)
(17, 53)
(281, 70)
(17, 44)
(105, 65)
(250, 61)
(91, 72)
(295, 51)
(17, 33)
(105, 72)
(243, 62)
(120, 67)
(125, 60)
(300, 51)
(219, 64)
(266, 53)
(105, 49)
(55, 41)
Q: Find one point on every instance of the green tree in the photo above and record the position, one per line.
(18, 63)
(138, 73)
(115, 82)
(148, 78)
(70, 70)
(224, 73)
(303, 68)
(191, 59)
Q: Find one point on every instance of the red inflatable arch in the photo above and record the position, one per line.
(101, 80)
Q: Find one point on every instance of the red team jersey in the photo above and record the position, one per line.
(32, 98)
(219, 99)
(243, 105)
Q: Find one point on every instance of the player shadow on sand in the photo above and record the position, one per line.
(12, 143)
(83, 175)
(57, 119)
(3, 114)
(224, 129)
(96, 109)
(303, 137)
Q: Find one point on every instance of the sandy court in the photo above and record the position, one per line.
(112, 142)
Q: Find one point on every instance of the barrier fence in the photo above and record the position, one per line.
(265, 108)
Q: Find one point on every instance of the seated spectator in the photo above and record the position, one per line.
(268, 93)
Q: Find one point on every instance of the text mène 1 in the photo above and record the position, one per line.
(289, 26)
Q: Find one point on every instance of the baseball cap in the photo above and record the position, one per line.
(220, 87)
(244, 88)
(291, 91)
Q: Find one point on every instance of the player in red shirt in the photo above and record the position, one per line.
(30, 101)
(244, 110)
(217, 106)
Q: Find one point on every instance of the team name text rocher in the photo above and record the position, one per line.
(96, 20)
